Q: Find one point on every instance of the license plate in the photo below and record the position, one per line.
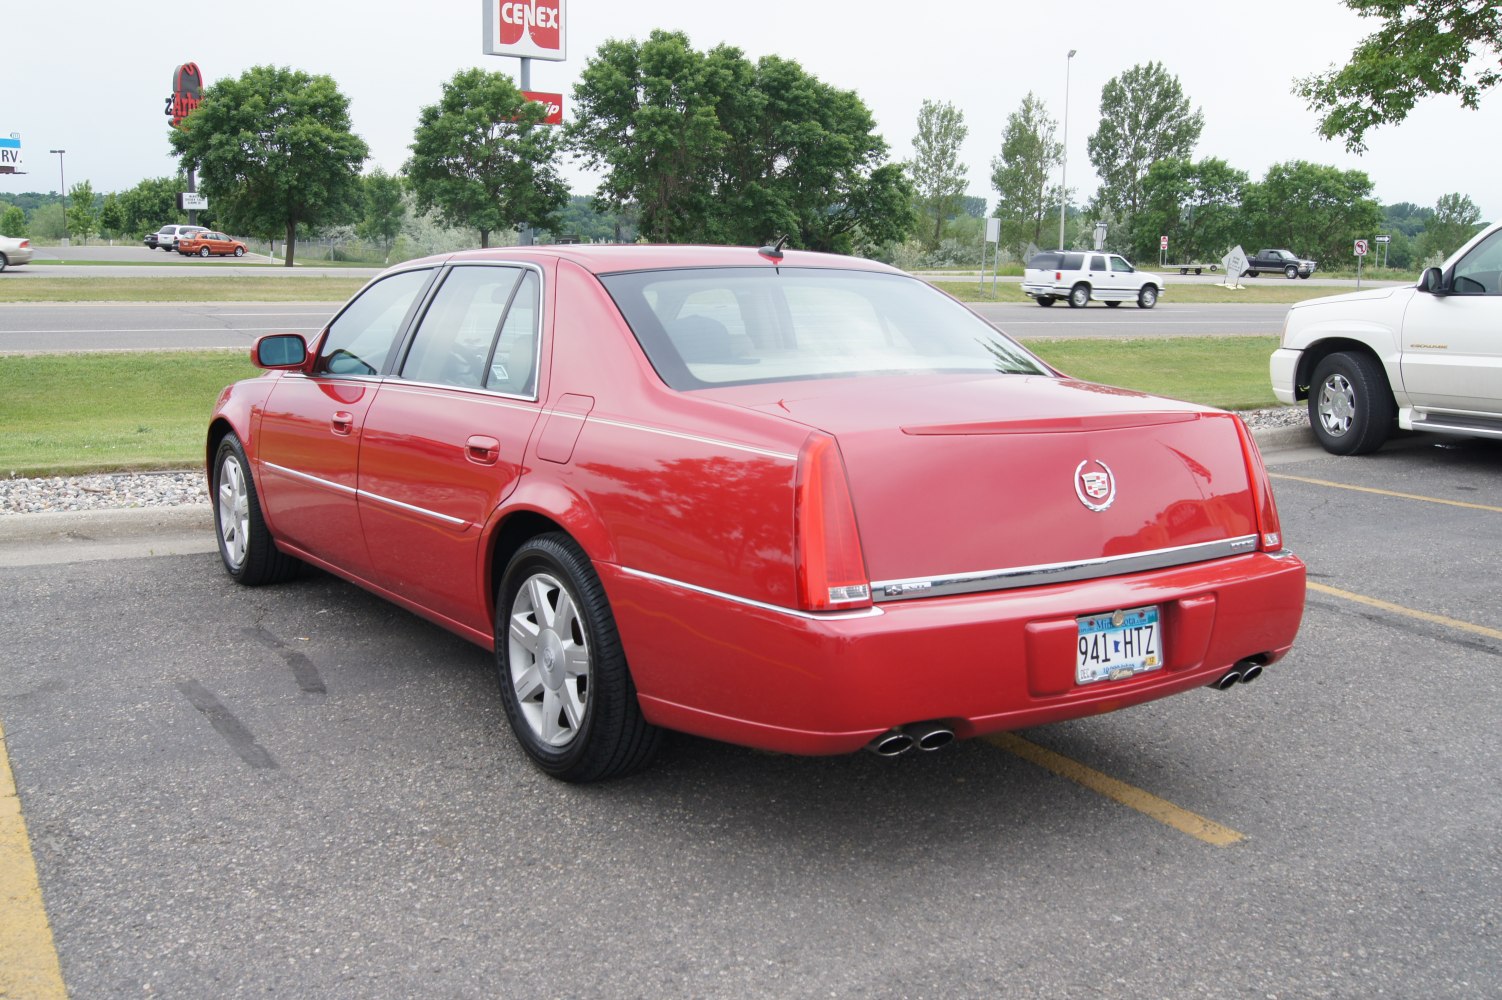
(1118, 645)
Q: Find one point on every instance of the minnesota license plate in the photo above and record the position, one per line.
(1119, 645)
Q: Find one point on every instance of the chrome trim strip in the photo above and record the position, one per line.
(717, 442)
(827, 616)
(364, 495)
(508, 400)
(1068, 572)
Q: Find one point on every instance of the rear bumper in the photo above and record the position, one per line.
(707, 664)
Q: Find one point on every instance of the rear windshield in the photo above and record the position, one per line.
(725, 326)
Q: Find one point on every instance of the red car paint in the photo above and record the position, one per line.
(729, 523)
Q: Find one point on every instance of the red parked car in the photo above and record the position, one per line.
(209, 243)
(793, 501)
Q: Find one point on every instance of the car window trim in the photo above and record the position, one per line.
(316, 347)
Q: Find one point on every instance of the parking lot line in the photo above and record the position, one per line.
(1145, 802)
(1433, 619)
(1384, 493)
(28, 958)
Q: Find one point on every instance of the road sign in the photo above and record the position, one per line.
(1384, 239)
(1361, 248)
(1162, 242)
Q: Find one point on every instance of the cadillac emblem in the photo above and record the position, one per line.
(1095, 485)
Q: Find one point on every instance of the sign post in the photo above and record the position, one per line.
(1162, 251)
(1383, 241)
(527, 30)
(993, 235)
(187, 94)
(1360, 256)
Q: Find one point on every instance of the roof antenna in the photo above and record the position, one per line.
(774, 251)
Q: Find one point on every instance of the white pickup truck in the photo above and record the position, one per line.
(1427, 357)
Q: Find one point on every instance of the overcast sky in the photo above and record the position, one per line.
(91, 76)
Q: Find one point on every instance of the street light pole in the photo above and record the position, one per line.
(63, 186)
(1064, 153)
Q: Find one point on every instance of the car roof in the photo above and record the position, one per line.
(608, 258)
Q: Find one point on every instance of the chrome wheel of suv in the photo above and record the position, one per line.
(1079, 296)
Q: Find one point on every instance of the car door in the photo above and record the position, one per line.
(445, 438)
(309, 438)
(1452, 344)
(1123, 279)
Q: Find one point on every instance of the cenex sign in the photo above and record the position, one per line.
(527, 29)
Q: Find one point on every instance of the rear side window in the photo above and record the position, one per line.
(1047, 261)
(1074, 262)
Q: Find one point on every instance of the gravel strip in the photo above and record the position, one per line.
(177, 489)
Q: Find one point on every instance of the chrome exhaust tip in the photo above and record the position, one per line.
(1228, 681)
(891, 743)
(929, 735)
(1251, 672)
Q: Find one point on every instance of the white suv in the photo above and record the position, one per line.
(1426, 354)
(1077, 276)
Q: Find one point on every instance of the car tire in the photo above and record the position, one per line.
(1305, 275)
(4, 262)
(1351, 407)
(1290, 272)
(1250, 274)
(1147, 297)
(1046, 300)
(1079, 296)
(564, 681)
(203, 251)
(245, 544)
(239, 251)
(1112, 303)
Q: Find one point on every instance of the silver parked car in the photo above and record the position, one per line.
(14, 250)
(166, 238)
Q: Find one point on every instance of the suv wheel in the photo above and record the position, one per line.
(1079, 296)
(1350, 404)
(1147, 297)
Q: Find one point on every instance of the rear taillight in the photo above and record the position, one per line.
(1058, 276)
(25, 244)
(830, 568)
(1269, 527)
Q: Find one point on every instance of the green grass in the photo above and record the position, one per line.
(286, 288)
(68, 414)
(64, 414)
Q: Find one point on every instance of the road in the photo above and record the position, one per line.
(48, 327)
(301, 791)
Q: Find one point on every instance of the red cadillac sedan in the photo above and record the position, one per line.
(793, 501)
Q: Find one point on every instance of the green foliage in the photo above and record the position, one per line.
(1029, 153)
(82, 220)
(708, 147)
(152, 204)
(1455, 220)
(482, 158)
(111, 216)
(936, 171)
(385, 208)
(13, 222)
(1424, 47)
(581, 218)
(1144, 118)
(274, 150)
(47, 222)
(1196, 205)
(1314, 210)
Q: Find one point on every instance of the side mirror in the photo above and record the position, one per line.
(279, 351)
(1433, 282)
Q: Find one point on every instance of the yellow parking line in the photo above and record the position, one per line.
(1399, 609)
(1384, 493)
(29, 968)
(1147, 803)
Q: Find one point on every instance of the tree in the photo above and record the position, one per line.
(1144, 118)
(274, 150)
(1029, 154)
(1311, 209)
(482, 158)
(936, 171)
(1424, 47)
(708, 147)
(151, 204)
(1455, 220)
(47, 222)
(1196, 205)
(13, 221)
(82, 221)
(385, 209)
(111, 216)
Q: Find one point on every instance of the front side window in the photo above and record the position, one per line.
(1119, 265)
(724, 326)
(1480, 271)
(360, 338)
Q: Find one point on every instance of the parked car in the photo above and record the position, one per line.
(794, 501)
(14, 250)
(1425, 356)
(209, 243)
(1079, 276)
(167, 237)
(1284, 262)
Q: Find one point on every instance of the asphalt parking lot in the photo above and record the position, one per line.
(302, 791)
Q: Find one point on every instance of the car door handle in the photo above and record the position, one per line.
(482, 450)
(342, 422)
